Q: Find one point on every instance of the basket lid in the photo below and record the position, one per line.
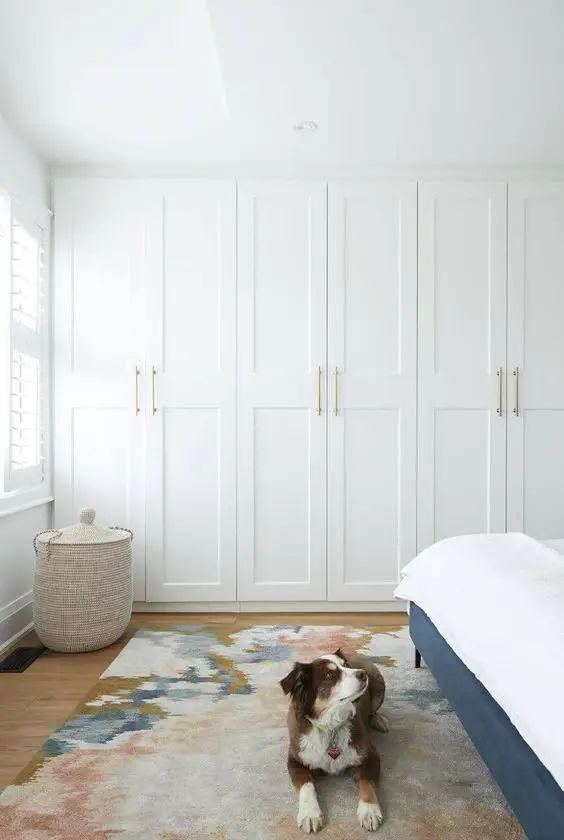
(84, 532)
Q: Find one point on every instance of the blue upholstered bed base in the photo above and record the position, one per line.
(535, 797)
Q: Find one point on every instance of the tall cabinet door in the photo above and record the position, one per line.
(535, 425)
(281, 391)
(191, 524)
(462, 367)
(372, 406)
(99, 234)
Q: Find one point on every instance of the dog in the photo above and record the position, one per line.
(335, 702)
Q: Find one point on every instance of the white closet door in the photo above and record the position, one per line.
(462, 344)
(535, 442)
(191, 537)
(372, 405)
(99, 232)
(281, 347)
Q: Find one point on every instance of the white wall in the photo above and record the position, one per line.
(16, 567)
(21, 171)
(27, 177)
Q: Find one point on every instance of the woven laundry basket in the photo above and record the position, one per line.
(82, 592)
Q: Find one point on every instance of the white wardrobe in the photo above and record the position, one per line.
(285, 388)
(491, 359)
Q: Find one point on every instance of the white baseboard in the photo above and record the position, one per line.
(270, 607)
(16, 637)
(15, 620)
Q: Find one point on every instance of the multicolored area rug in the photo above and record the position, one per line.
(184, 736)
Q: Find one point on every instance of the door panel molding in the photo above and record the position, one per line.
(372, 343)
(535, 468)
(281, 346)
(462, 343)
(191, 457)
(99, 325)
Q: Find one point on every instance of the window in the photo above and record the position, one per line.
(24, 349)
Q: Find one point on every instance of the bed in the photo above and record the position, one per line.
(487, 617)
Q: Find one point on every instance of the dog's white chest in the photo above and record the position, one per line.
(315, 746)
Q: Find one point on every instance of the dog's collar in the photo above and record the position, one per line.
(332, 734)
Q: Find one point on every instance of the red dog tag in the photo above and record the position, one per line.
(334, 752)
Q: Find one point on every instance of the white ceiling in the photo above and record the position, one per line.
(465, 82)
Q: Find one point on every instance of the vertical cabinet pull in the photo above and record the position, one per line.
(500, 392)
(516, 406)
(319, 378)
(153, 386)
(137, 374)
(336, 391)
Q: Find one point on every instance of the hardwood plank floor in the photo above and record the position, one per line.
(36, 702)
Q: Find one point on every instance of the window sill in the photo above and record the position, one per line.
(16, 503)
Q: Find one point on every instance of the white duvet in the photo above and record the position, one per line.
(498, 600)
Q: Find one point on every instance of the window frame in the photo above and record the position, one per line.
(22, 491)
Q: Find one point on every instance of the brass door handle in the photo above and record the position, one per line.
(153, 388)
(319, 382)
(336, 391)
(500, 392)
(516, 406)
(137, 374)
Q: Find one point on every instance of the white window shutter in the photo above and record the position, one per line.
(26, 373)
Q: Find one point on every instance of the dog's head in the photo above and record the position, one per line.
(324, 684)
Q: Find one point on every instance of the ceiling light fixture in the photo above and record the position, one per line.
(308, 125)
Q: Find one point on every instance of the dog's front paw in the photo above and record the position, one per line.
(311, 822)
(379, 722)
(310, 818)
(369, 815)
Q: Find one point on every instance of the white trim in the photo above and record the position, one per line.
(270, 607)
(18, 508)
(313, 171)
(11, 615)
(16, 605)
(13, 639)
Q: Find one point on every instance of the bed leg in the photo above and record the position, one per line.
(417, 659)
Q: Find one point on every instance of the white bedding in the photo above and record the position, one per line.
(557, 545)
(498, 600)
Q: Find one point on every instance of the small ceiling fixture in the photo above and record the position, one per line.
(308, 125)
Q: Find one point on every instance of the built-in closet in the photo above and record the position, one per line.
(287, 387)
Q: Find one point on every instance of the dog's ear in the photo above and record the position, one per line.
(341, 655)
(297, 681)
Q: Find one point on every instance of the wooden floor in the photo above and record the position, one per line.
(36, 702)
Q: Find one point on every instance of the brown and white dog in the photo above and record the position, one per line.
(334, 703)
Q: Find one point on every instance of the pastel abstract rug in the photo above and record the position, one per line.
(184, 736)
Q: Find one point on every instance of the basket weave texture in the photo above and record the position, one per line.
(82, 593)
